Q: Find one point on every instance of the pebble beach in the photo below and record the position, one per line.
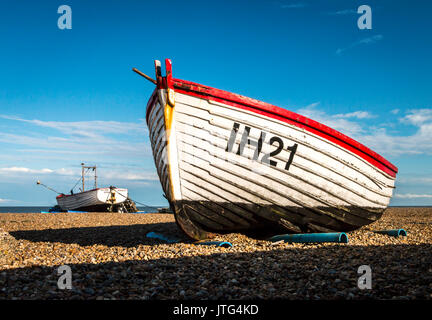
(111, 258)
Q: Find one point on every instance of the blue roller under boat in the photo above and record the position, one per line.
(339, 237)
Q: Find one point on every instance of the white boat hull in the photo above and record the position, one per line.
(93, 200)
(224, 168)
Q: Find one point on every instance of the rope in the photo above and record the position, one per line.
(80, 179)
(143, 204)
(40, 183)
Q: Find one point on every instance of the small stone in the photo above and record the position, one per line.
(89, 291)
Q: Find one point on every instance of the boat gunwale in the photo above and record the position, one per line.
(75, 194)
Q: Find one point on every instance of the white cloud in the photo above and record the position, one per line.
(378, 138)
(425, 180)
(336, 122)
(81, 137)
(24, 170)
(344, 12)
(415, 180)
(368, 40)
(418, 117)
(87, 128)
(395, 111)
(6, 200)
(395, 144)
(64, 172)
(107, 173)
(413, 196)
(293, 5)
(133, 176)
(356, 114)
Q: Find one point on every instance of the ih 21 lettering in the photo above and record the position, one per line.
(274, 141)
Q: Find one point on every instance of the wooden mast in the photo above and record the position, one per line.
(82, 176)
(95, 177)
(83, 166)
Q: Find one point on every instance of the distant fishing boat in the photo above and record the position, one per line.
(229, 163)
(110, 199)
(96, 200)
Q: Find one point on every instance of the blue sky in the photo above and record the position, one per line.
(69, 96)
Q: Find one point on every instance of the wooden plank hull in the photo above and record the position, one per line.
(93, 200)
(226, 168)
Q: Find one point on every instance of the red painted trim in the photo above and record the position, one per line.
(284, 115)
(168, 70)
(70, 195)
(290, 117)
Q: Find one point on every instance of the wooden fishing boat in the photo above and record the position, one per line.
(229, 163)
(96, 199)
